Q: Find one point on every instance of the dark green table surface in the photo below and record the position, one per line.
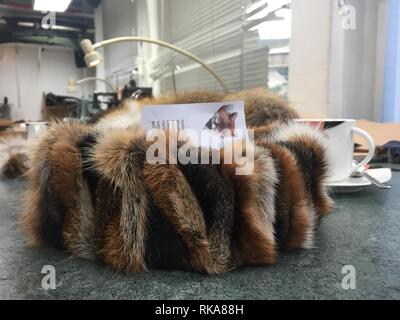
(363, 231)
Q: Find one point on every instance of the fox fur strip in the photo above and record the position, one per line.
(93, 194)
(261, 107)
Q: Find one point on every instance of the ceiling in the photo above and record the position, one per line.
(19, 23)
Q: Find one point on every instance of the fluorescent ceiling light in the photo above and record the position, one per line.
(51, 5)
(64, 28)
(25, 24)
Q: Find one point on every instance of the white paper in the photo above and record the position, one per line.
(220, 121)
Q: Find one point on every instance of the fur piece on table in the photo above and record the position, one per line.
(95, 195)
(308, 144)
(255, 205)
(15, 166)
(261, 107)
(13, 155)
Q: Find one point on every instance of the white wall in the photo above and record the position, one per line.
(145, 51)
(124, 18)
(333, 72)
(100, 70)
(26, 71)
(119, 19)
(309, 57)
(209, 29)
(357, 62)
(336, 72)
(382, 14)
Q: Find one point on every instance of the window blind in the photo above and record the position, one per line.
(218, 32)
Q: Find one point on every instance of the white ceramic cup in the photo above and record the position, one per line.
(340, 147)
(35, 129)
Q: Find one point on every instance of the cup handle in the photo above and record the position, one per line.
(371, 148)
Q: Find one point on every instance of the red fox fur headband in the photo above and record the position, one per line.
(95, 195)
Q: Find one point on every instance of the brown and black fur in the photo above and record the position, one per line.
(255, 205)
(16, 166)
(294, 217)
(308, 147)
(313, 167)
(176, 200)
(53, 173)
(13, 150)
(262, 107)
(198, 202)
(95, 195)
(185, 97)
(216, 197)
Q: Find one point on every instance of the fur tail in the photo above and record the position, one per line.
(13, 158)
(16, 166)
(309, 147)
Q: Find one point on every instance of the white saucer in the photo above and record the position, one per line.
(350, 185)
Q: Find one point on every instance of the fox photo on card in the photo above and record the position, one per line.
(214, 122)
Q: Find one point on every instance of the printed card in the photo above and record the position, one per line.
(214, 123)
